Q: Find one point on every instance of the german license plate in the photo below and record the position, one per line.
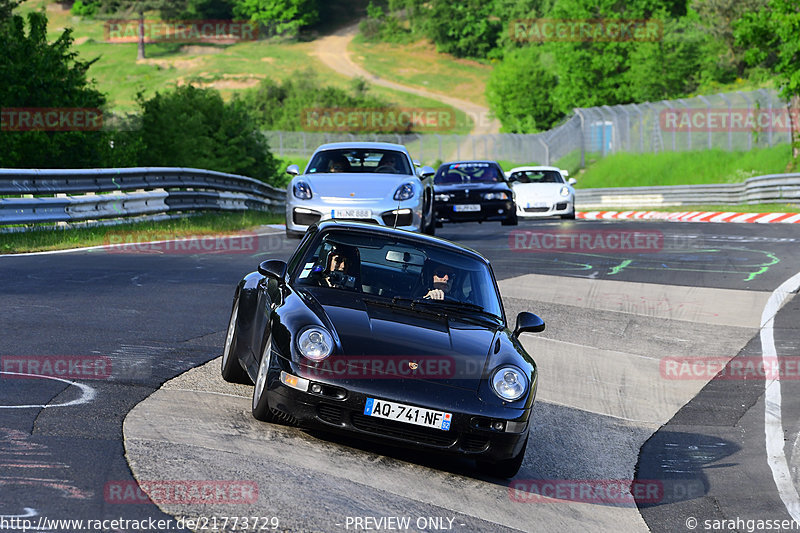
(466, 208)
(406, 413)
(538, 204)
(352, 213)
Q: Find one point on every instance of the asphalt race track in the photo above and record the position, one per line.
(632, 431)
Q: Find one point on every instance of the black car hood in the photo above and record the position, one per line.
(380, 342)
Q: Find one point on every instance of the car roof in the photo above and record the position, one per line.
(462, 161)
(345, 225)
(362, 144)
(539, 167)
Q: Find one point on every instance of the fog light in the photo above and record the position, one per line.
(498, 426)
(316, 388)
(500, 211)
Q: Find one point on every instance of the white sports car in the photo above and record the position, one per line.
(542, 192)
(364, 181)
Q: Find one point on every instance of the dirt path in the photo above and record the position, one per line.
(332, 51)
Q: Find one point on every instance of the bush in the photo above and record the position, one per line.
(191, 127)
(86, 9)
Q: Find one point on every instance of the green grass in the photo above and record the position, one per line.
(681, 168)
(745, 208)
(202, 224)
(419, 65)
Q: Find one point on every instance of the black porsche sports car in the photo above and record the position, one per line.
(390, 335)
(473, 191)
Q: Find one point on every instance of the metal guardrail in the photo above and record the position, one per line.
(40, 196)
(771, 188)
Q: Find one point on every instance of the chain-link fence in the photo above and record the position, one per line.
(728, 121)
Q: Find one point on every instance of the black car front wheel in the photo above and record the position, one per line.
(511, 221)
(232, 371)
(504, 469)
(261, 410)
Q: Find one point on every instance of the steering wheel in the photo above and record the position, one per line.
(386, 169)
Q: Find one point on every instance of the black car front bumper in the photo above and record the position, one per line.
(489, 210)
(470, 433)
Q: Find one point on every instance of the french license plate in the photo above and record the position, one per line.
(466, 208)
(352, 213)
(406, 413)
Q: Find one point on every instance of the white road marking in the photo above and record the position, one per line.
(28, 514)
(773, 423)
(87, 393)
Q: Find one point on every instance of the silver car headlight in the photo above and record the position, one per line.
(495, 196)
(564, 191)
(509, 383)
(302, 190)
(315, 343)
(404, 192)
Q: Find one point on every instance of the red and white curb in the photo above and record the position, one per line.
(692, 216)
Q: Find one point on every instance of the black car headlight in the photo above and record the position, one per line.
(509, 383)
(564, 191)
(315, 343)
(404, 192)
(302, 190)
(495, 195)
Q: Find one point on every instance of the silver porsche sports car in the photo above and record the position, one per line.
(371, 182)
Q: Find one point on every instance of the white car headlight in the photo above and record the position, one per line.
(442, 197)
(509, 383)
(404, 192)
(302, 190)
(495, 196)
(564, 191)
(315, 343)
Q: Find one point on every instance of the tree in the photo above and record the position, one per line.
(519, 92)
(285, 16)
(667, 68)
(771, 34)
(39, 74)
(191, 127)
(468, 28)
(718, 18)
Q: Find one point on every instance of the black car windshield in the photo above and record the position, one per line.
(398, 268)
(537, 176)
(469, 172)
(359, 160)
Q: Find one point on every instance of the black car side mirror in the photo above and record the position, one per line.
(273, 268)
(528, 322)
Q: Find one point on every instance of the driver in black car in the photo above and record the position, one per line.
(340, 269)
(442, 283)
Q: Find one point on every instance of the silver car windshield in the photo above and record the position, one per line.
(389, 267)
(359, 161)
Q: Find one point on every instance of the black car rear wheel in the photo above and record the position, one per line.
(232, 371)
(504, 469)
(261, 410)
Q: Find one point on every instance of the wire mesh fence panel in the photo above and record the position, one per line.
(734, 121)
